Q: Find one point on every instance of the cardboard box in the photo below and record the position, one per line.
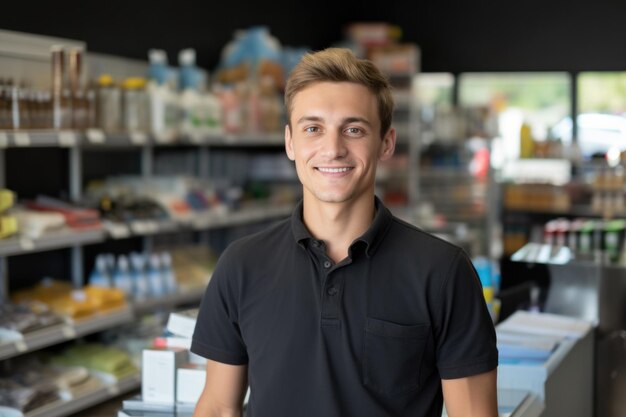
(190, 380)
(158, 374)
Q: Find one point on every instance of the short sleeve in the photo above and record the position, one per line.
(217, 335)
(465, 337)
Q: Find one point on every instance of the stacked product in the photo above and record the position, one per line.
(172, 377)
(8, 223)
(132, 198)
(18, 320)
(45, 214)
(67, 105)
(60, 297)
(109, 363)
(25, 389)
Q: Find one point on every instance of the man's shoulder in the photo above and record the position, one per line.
(273, 238)
(412, 236)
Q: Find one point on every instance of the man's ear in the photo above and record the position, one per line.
(288, 143)
(388, 146)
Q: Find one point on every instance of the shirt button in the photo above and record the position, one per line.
(332, 290)
(327, 264)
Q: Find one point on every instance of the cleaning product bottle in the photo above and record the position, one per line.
(169, 277)
(155, 277)
(189, 100)
(140, 280)
(163, 101)
(121, 276)
(100, 276)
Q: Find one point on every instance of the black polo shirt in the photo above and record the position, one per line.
(371, 336)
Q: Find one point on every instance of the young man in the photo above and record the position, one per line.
(344, 310)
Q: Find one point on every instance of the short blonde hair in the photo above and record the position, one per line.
(341, 65)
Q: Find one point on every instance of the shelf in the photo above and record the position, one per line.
(63, 332)
(245, 215)
(187, 296)
(67, 407)
(49, 241)
(38, 138)
(67, 238)
(94, 139)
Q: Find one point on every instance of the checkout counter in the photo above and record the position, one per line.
(593, 289)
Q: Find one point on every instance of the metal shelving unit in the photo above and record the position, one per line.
(66, 407)
(53, 240)
(76, 144)
(59, 333)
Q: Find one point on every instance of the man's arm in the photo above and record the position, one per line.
(224, 390)
(474, 396)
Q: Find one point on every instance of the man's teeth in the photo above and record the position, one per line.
(334, 170)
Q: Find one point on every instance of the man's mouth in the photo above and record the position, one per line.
(334, 170)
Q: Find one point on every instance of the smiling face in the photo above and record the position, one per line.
(335, 141)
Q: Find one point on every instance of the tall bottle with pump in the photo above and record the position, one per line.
(163, 100)
(189, 101)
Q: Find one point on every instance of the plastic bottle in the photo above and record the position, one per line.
(190, 103)
(100, 276)
(163, 101)
(140, 280)
(155, 277)
(169, 277)
(121, 276)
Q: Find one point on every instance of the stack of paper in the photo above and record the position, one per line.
(545, 324)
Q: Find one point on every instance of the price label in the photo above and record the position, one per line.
(4, 140)
(138, 138)
(67, 139)
(69, 332)
(22, 139)
(27, 244)
(95, 136)
(21, 346)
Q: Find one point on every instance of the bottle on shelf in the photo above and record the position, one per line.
(527, 144)
(100, 276)
(61, 101)
(169, 277)
(141, 284)
(109, 103)
(163, 101)
(190, 102)
(155, 276)
(121, 276)
(135, 105)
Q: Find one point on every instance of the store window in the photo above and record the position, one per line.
(522, 102)
(601, 116)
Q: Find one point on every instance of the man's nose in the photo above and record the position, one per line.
(334, 145)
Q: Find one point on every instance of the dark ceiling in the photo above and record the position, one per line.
(454, 36)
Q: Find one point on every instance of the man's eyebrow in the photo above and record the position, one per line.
(356, 120)
(309, 119)
(347, 120)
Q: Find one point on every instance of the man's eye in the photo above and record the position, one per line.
(312, 129)
(354, 131)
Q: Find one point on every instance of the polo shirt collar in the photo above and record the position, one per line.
(372, 237)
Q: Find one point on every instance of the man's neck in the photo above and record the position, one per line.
(338, 224)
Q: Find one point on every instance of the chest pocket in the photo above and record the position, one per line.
(392, 356)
